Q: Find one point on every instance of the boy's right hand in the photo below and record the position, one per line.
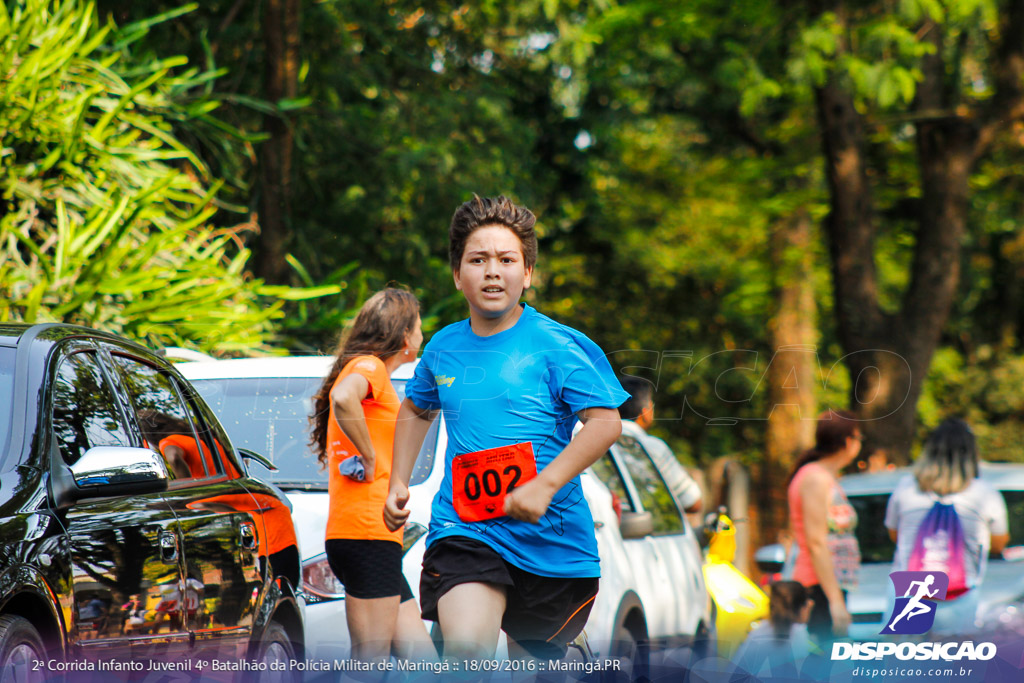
(395, 513)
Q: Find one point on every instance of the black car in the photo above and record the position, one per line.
(129, 529)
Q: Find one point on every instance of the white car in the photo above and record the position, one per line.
(652, 588)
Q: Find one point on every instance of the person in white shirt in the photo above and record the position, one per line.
(947, 472)
(637, 416)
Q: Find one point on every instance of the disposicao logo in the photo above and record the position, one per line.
(946, 652)
(914, 614)
(916, 596)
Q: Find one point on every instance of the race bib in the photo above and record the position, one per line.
(480, 480)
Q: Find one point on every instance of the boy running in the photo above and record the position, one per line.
(506, 551)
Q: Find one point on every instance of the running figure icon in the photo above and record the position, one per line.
(914, 606)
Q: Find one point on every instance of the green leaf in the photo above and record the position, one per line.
(300, 269)
(132, 32)
(298, 293)
(294, 103)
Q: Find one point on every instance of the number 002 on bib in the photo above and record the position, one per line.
(481, 480)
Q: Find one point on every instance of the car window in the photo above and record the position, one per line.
(270, 416)
(6, 393)
(608, 472)
(166, 424)
(654, 494)
(872, 535)
(214, 450)
(1015, 509)
(84, 411)
(228, 457)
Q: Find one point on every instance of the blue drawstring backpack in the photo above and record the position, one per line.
(940, 546)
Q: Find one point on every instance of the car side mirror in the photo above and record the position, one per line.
(118, 471)
(248, 455)
(636, 524)
(770, 558)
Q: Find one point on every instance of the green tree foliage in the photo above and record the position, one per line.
(692, 168)
(404, 111)
(105, 218)
(662, 147)
(747, 79)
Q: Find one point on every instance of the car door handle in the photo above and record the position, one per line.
(247, 536)
(168, 547)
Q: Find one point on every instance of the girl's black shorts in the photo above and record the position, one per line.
(368, 569)
(542, 613)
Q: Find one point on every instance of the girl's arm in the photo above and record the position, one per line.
(347, 397)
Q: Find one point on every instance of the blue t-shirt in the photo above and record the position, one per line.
(525, 383)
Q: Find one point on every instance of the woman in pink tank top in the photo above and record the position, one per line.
(823, 523)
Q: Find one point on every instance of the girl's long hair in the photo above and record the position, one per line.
(949, 461)
(833, 429)
(379, 330)
(786, 601)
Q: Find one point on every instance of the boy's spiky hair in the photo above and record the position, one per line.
(480, 212)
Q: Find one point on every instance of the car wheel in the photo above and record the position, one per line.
(275, 656)
(21, 647)
(629, 644)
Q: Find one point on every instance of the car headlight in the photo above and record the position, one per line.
(319, 580)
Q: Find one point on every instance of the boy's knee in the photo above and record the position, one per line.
(461, 648)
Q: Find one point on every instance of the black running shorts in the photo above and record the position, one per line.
(368, 569)
(542, 613)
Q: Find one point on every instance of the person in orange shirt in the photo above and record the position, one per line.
(195, 454)
(353, 430)
(174, 439)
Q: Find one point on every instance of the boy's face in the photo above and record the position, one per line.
(492, 274)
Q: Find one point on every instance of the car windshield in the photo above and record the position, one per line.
(6, 393)
(270, 416)
(875, 545)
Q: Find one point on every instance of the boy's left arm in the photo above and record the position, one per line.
(601, 427)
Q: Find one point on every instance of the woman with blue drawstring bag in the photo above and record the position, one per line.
(943, 518)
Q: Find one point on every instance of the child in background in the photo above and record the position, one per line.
(777, 646)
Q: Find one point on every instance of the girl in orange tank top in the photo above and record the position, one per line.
(353, 429)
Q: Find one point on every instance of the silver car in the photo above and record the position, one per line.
(869, 493)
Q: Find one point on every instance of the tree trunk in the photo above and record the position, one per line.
(886, 380)
(792, 373)
(888, 355)
(281, 41)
